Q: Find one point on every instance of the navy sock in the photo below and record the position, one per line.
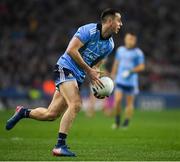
(27, 112)
(61, 139)
(117, 120)
(126, 122)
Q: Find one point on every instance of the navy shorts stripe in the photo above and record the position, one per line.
(130, 90)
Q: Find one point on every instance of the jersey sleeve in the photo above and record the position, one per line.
(140, 58)
(83, 34)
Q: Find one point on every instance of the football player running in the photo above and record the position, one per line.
(89, 45)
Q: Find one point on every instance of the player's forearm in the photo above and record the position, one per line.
(138, 68)
(76, 56)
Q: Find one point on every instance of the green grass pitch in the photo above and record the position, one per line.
(151, 136)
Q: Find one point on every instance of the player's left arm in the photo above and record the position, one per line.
(140, 65)
(138, 68)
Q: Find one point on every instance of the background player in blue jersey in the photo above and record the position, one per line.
(90, 44)
(129, 61)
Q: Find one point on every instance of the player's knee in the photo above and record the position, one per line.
(76, 106)
(130, 107)
(117, 102)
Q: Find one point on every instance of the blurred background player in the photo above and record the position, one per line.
(129, 61)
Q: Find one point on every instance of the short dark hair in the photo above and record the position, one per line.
(108, 12)
(131, 33)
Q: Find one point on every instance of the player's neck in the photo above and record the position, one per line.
(130, 47)
(105, 33)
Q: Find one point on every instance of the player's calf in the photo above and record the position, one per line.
(128, 115)
(51, 116)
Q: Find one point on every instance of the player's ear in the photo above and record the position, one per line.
(109, 20)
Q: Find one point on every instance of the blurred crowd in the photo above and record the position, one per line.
(34, 33)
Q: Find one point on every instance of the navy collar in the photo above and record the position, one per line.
(99, 27)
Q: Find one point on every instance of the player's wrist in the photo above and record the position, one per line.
(87, 69)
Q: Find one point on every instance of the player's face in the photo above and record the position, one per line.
(130, 40)
(116, 23)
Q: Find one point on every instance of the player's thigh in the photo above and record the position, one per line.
(70, 92)
(58, 104)
(118, 95)
(130, 100)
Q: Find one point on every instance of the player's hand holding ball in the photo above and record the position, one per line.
(102, 92)
(94, 75)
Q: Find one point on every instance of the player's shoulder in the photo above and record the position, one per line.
(139, 51)
(89, 27)
(121, 48)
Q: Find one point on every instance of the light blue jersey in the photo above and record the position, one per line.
(95, 48)
(128, 59)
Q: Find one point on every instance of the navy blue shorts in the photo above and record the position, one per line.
(62, 74)
(129, 90)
